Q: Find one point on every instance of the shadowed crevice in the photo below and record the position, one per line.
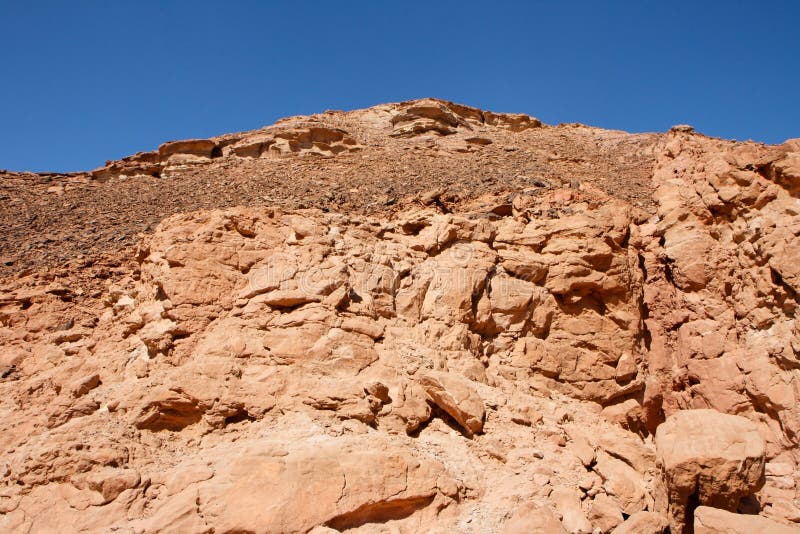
(379, 512)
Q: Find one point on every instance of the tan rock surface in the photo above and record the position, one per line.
(457, 397)
(710, 458)
(605, 513)
(532, 519)
(418, 317)
(568, 504)
(643, 523)
(709, 520)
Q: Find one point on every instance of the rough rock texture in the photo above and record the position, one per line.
(419, 317)
(532, 519)
(457, 397)
(643, 523)
(715, 521)
(708, 458)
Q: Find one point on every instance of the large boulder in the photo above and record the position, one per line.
(531, 518)
(456, 396)
(605, 513)
(568, 503)
(643, 523)
(281, 486)
(709, 520)
(708, 458)
(623, 483)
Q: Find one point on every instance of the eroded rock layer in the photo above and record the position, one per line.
(607, 347)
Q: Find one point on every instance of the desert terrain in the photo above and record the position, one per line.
(416, 317)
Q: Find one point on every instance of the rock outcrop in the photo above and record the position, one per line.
(710, 459)
(445, 118)
(715, 521)
(532, 519)
(643, 523)
(341, 484)
(310, 139)
(457, 397)
(415, 317)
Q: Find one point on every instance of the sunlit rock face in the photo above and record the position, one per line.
(525, 353)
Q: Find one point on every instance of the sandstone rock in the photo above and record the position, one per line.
(169, 409)
(605, 513)
(568, 504)
(348, 402)
(784, 511)
(84, 385)
(582, 449)
(530, 518)
(513, 121)
(628, 448)
(643, 523)
(293, 488)
(627, 414)
(182, 476)
(626, 368)
(202, 148)
(709, 457)
(411, 406)
(524, 413)
(316, 140)
(140, 164)
(144, 378)
(111, 482)
(708, 520)
(425, 116)
(479, 141)
(456, 396)
(623, 483)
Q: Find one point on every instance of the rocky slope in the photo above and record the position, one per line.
(418, 317)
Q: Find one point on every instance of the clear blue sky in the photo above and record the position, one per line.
(87, 81)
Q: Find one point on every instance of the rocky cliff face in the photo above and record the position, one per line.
(419, 317)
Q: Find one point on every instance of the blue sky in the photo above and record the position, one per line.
(84, 81)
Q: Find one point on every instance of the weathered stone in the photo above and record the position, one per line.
(456, 396)
(622, 482)
(169, 409)
(643, 523)
(605, 513)
(708, 520)
(411, 406)
(568, 504)
(146, 380)
(710, 458)
(292, 488)
(530, 518)
(202, 148)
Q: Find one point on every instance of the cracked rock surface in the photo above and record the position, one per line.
(419, 317)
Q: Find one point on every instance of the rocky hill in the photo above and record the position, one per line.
(417, 317)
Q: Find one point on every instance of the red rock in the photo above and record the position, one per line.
(203, 148)
(169, 359)
(710, 457)
(643, 523)
(532, 519)
(715, 521)
(456, 396)
(605, 513)
(568, 504)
